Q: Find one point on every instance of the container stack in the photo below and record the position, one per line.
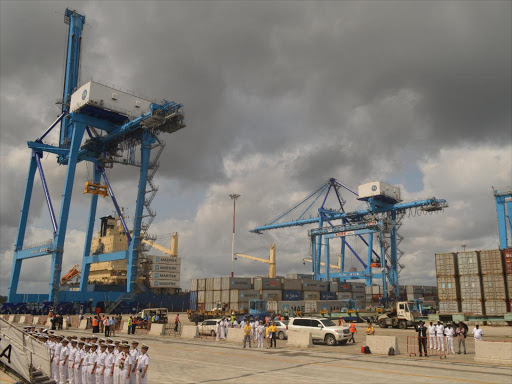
(468, 264)
(447, 283)
(493, 281)
(508, 273)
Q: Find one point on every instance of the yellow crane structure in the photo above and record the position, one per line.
(271, 261)
(332, 266)
(172, 251)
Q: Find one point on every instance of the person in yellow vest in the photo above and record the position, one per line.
(353, 330)
(247, 334)
(130, 323)
(369, 329)
(273, 335)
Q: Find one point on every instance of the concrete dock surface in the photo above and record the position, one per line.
(176, 360)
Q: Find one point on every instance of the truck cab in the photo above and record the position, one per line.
(159, 313)
(403, 315)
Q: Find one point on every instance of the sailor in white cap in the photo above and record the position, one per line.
(126, 365)
(117, 363)
(63, 362)
(143, 365)
(85, 363)
(71, 361)
(77, 366)
(100, 370)
(134, 353)
(56, 358)
(93, 363)
(109, 365)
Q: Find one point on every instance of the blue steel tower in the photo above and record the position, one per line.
(108, 133)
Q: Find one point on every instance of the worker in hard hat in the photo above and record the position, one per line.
(370, 331)
(353, 330)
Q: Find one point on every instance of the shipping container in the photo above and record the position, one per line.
(449, 306)
(332, 306)
(491, 262)
(315, 285)
(468, 263)
(217, 283)
(376, 290)
(376, 298)
(217, 297)
(201, 297)
(224, 296)
(311, 295)
(334, 286)
(292, 285)
(414, 289)
(413, 296)
(208, 297)
(368, 290)
(299, 276)
(358, 287)
(239, 306)
(474, 307)
(348, 296)
(310, 306)
(427, 290)
(470, 287)
(209, 306)
(494, 287)
(242, 296)
(328, 296)
(508, 260)
(193, 306)
(200, 306)
(448, 287)
(201, 284)
(509, 286)
(292, 295)
(236, 283)
(193, 297)
(359, 296)
(209, 284)
(446, 264)
(266, 283)
(344, 287)
(292, 306)
(272, 306)
(193, 285)
(272, 295)
(495, 307)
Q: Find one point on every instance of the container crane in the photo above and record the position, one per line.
(271, 261)
(504, 212)
(379, 223)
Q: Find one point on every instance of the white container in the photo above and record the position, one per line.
(209, 284)
(379, 188)
(93, 97)
(358, 287)
(217, 296)
(236, 283)
(310, 306)
(201, 297)
(164, 276)
(217, 283)
(164, 259)
(193, 285)
(209, 296)
(175, 268)
(311, 295)
(242, 296)
(224, 296)
(271, 306)
(201, 284)
(346, 296)
(164, 283)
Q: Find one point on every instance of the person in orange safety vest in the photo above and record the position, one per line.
(353, 330)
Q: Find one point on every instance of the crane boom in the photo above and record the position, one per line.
(271, 261)
(333, 266)
(172, 251)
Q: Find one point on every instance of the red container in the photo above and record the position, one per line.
(200, 307)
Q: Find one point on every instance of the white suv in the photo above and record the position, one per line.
(321, 329)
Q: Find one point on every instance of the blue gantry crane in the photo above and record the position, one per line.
(504, 212)
(114, 123)
(376, 227)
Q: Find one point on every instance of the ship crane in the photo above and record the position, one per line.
(376, 226)
(271, 261)
(172, 251)
(332, 266)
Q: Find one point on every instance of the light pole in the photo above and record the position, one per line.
(233, 196)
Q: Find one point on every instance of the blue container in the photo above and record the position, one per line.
(293, 295)
(193, 297)
(328, 296)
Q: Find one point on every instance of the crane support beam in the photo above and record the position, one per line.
(114, 200)
(46, 192)
(121, 255)
(33, 252)
(253, 258)
(41, 147)
(504, 215)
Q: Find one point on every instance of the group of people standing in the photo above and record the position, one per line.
(440, 336)
(256, 331)
(89, 360)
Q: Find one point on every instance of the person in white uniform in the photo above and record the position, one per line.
(260, 332)
(432, 336)
(63, 362)
(71, 362)
(449, 332)
(143, 365)
(440, 336)
(85, 363)
(93, 364)
(51, 349)
(255, 334)
(217, 330)
(56, 358)
(109, 365)
(118, 358)
(127, 366)
(100, 369)
(79, 355)
(226, 326)
(478, 333)
(134, 354)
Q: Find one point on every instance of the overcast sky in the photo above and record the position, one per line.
(279, 97)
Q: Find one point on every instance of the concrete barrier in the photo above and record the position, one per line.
(189, 332)
(235, 335)
(22, 319)
(35, 320)
(299, 339)
(157, 329)
(48, 322)
(11, 318)
(124, 327)
(380, 345)
(499, 352)
(83, 324)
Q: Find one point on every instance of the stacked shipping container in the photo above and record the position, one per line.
(468, 265)
(447, 283)
(493, 281)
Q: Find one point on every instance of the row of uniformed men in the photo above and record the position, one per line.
(81, 362)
